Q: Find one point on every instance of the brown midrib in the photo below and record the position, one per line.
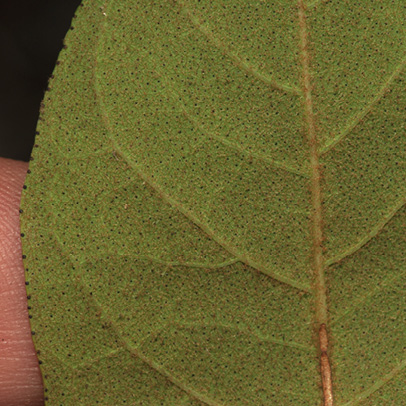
(321, 316)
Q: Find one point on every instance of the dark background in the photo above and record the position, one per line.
(31, 37)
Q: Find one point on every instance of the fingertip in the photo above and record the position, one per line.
(20, 377)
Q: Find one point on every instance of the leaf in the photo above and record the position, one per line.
(216, 206)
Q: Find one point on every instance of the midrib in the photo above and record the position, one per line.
(321, 318)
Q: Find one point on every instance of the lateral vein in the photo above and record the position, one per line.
(358, 303)
(184, 210)
(208, 230)
(238, 61)
(273, 162)
(358, 117)
(374, 232)
(201, 265)
(377, 385)
(248, 331)
(154, 365)
(316, 3)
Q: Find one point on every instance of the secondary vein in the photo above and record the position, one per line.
(365, 111)
(129, 346)
(316, 3)
(238, 61)
(229, 247)
(373, 233)
(262, 157)
(377, 385)
(239, 329)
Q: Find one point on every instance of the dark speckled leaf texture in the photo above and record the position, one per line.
(213, 182)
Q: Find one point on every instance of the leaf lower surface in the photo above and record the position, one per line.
(169, 210)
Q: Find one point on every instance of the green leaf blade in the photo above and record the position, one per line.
(170, 210)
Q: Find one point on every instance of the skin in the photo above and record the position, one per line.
(20, 377)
